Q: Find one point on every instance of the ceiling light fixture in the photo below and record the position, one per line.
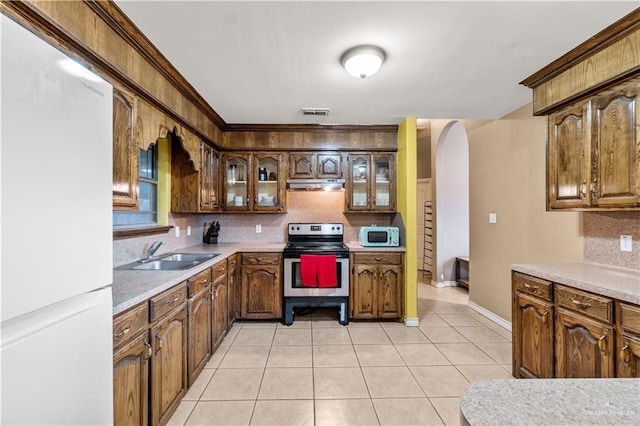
(363, 61)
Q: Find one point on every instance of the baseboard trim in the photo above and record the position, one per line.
(411, 322)
(490, 315)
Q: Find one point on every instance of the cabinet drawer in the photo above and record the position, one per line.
(165, 302)
(533, 285)
(577, 300)
(629, 317)
(378, 258)
(261, 259)
(129, 324)
(219, 270)
(199, 281)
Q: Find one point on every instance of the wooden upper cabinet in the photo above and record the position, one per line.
(616, 148)
(569, 159)
(308, 165)
(194, 191)
(125, 152)
(371, 183)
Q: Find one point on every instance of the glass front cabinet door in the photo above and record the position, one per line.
(236, 169)
(371, 182)
(269, 182)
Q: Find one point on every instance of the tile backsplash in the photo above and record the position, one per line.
(303, 206)
(602, 230)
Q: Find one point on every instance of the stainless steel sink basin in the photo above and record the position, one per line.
(170, 262)
(161, 265)
(188, 257)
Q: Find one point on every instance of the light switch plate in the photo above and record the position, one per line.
(188, 229)
(626, 243)
(177, 231)
(258, 229)
(493, 218)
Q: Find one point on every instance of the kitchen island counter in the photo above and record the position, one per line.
(618, 283)
(131, 287)
(551, 402)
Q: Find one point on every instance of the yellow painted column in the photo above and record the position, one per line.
(407, 207)
(164, 180)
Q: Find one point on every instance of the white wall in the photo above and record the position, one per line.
(452, 171)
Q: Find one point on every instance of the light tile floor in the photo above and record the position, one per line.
(317, 372)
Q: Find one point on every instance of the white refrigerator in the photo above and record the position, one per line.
(56, 236)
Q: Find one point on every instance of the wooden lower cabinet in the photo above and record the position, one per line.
(219, 296)
(376, 285)
(261, 286)
(233, 285)
(130, 382)
(627, 340)
(200, 311)
(532, 337)
(168, 365)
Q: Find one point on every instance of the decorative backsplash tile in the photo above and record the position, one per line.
(602, 232)
(303, 206)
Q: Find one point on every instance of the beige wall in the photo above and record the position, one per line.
(507, 177)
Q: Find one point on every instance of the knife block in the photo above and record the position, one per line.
(210, 239)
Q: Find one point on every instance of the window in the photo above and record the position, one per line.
(147, 213)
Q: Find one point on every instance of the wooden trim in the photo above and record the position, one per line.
(309, 128)
(123, 234)
(109, 12)
(39, 23)
(606, 37)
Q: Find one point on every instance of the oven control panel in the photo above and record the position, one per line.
(316, 229)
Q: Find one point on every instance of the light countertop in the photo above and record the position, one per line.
(356, 246)
(551, 402)
(618, 283)
(133, 287)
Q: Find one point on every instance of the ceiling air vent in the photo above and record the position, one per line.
(315, 111)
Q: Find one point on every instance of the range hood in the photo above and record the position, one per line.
(315, 184)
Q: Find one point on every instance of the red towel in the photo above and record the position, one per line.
(308, 270)
(327, 271)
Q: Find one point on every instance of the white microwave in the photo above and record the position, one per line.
(379, 236)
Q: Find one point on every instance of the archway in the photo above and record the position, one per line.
(452, 201)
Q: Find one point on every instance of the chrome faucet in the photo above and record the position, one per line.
(153, 248)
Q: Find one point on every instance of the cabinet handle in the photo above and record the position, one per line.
(378, 259)
(124, 332)
(174, 300)
(602, 344)
(149, 350)
(531, 287)
(159, 343)
(581, 305)
(583, 188)
(624, 353)
(594, 186)
(545, 315)
(204, 282)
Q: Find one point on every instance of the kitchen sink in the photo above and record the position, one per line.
(188, 257)
(170, 262)
(162, 265)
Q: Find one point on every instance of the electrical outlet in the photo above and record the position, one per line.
(258, 228)
(188, 229)
(626, 243)
(177, 228)
(493, 218)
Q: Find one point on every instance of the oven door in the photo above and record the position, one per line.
(293, 286)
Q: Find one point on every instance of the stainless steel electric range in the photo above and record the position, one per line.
(325, 240)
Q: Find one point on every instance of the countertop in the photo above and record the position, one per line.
(356, 246)
(618, 283)
(133, 287)
(552, 402)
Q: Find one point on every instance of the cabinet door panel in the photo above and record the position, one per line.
(569, 159)
(261, 292)
(130, 383)
(584, 347)
(390, 291)
(629, 356)
(125, 154)
(199, 333)
(616, 150)
(169, 365)
(302, 165)
(364, 292)
(329, 166)
(220, 313)
(533, 337)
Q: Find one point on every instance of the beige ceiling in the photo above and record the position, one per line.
(261, 62)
